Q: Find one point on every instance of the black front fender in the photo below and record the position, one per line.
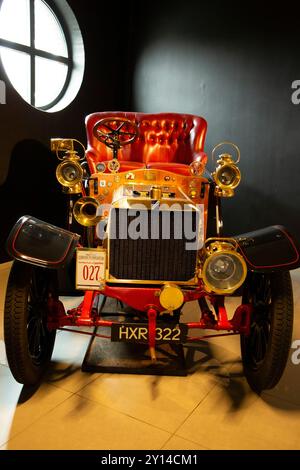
(36, 242)
(269, 249)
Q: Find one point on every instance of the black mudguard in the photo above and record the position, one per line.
(36, 242)
(269, 249)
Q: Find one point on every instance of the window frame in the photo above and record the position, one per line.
(33, 52)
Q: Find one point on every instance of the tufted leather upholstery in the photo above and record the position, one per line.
(168, 141)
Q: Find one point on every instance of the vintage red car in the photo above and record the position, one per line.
(152, 238)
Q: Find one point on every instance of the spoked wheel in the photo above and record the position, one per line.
(29, 343)
(265, 351)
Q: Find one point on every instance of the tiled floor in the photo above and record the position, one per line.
(213, 408)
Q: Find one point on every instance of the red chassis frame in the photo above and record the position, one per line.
(146, 299)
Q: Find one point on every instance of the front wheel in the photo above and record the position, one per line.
(28, 342)
(265, 351)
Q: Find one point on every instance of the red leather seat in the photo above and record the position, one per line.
(169, 141)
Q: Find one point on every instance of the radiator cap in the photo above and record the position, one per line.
(171, 297)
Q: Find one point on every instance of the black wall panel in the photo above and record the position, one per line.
(233, 63)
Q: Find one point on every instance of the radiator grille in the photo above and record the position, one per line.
(150, 259)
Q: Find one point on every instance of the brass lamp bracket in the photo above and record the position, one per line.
(227, 155)
(64, 148)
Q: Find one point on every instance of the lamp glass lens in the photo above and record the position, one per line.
(222, 267)
(227, 176)
(224, 271)
(70, 172)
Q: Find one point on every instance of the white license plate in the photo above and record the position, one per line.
(90, 268)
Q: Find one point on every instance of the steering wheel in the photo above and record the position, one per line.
(115, 132)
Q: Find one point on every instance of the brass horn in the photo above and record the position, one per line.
(85, 211)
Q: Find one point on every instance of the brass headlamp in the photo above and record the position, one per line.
(69, 172)
(227, 175)
(223, 269)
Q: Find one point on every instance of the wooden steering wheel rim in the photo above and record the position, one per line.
(112, 137)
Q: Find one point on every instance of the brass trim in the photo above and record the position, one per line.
(230, 240)
(226, 142)
(114, 280)
(113, 165)
(60, 144)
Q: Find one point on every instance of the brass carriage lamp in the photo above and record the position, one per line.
(227, 175)
(69, 172)
(223, 268)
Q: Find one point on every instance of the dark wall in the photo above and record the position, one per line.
(27, 168)
(234, 64)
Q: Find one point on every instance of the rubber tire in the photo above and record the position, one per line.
(271, 368)
(21, 364)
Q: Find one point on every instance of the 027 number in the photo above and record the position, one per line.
(90, 272)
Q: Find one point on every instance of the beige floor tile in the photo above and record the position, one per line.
(224, 348)
(83, 424)
(68, 376)
(70, 302)
(4, 273)
(235, 418)
(15, 412)
(295, 275)
(177, 443)
(1, 325)
(226, 351)
(215, 356)
(161, 401)
(5, 266)
(65, 369)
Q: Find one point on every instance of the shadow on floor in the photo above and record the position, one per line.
(200, 358)
(223, 368)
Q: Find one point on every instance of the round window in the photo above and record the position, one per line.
(42, 51)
